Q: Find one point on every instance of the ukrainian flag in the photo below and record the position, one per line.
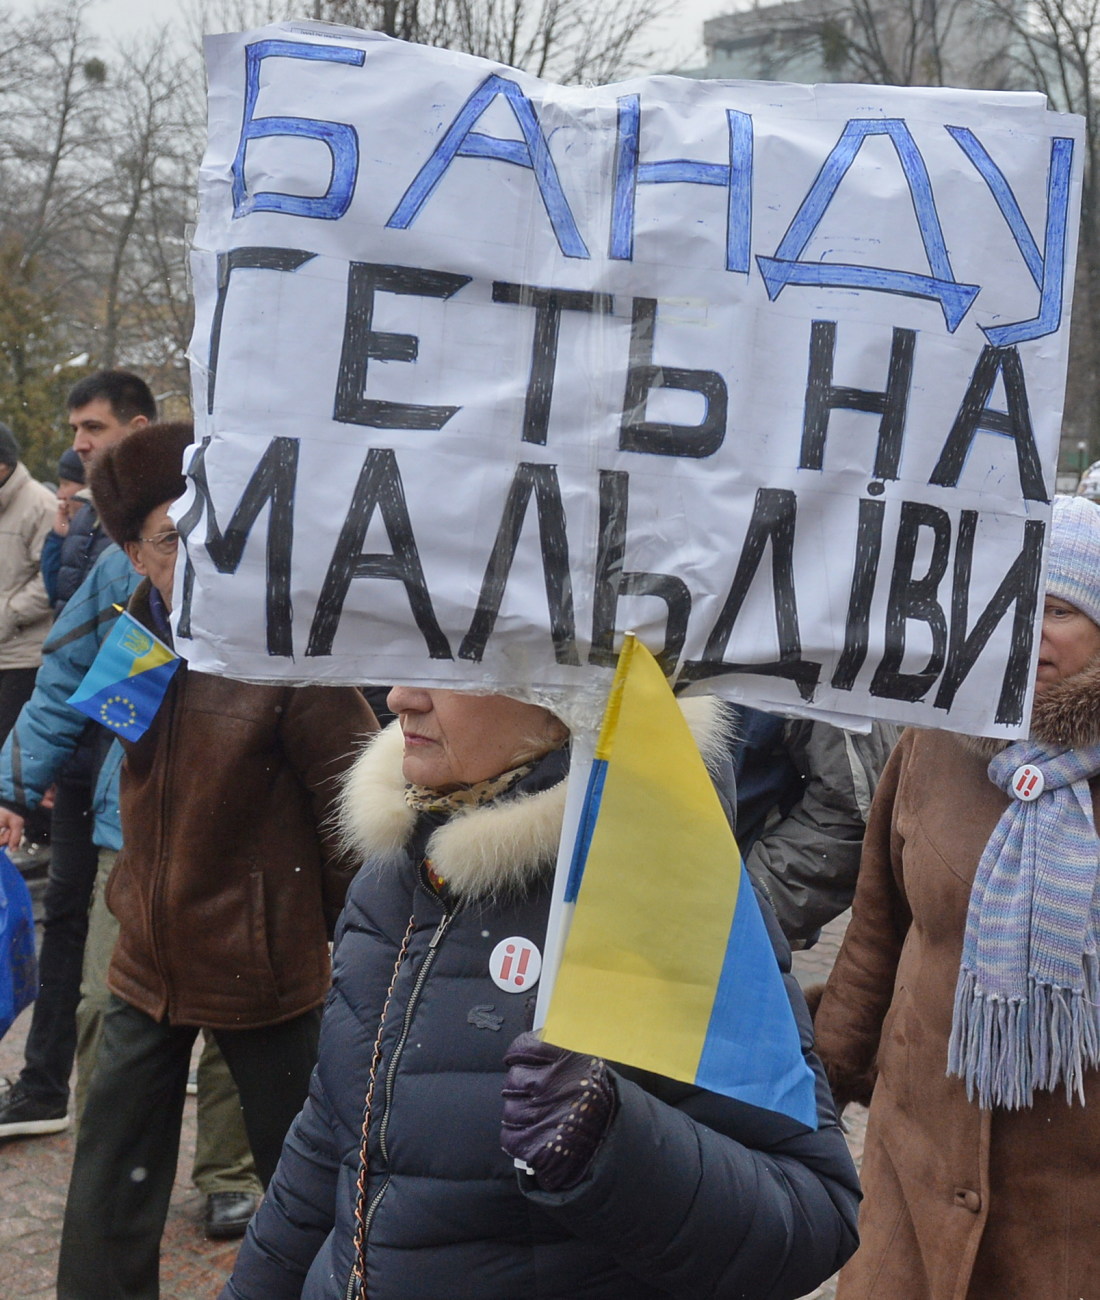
(667, 965)
(125, 685)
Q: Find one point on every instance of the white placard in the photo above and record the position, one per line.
(488, 370)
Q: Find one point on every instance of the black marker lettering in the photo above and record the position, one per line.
(773, 519)
(1019, 588)
(974, 415)
(612, 582)
(379, 488)
(554, 544)
(240, 259)
(549, 305)
(363, 344)
(272, 482)
(655, 437)
(917, 599)
(823, 397)
(858, 623)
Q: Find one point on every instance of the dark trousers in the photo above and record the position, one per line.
(16, 685)
(51, 1039)
(128, 1142)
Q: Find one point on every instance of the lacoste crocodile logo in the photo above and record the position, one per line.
(483, 1017)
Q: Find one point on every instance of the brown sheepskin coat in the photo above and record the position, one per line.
(959, 1203)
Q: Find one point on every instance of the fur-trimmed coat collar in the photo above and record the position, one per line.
(479, 852)
(1065, 716)
(1068, 712)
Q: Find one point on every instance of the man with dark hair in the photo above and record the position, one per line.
(103, 409)
(26, 510)
(126, 394)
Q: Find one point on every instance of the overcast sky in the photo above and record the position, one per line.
(681, 33)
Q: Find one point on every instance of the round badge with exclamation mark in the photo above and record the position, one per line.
(515, 965)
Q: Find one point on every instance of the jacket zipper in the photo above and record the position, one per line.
(391, 1074)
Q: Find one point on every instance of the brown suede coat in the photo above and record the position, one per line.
(225, 887)
(959, 1203)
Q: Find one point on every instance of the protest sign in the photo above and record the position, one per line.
(488, 371)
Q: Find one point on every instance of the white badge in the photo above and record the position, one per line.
(515, 965)
(1028, 783)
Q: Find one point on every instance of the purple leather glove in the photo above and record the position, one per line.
(557, 1107)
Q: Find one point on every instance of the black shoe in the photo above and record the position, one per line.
(228, 1213)
(22, 1115)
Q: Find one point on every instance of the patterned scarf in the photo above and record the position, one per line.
(1027, 1004)
(422, 798)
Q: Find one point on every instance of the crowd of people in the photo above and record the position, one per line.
(320, 897)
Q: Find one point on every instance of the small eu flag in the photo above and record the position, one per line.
(125, 685)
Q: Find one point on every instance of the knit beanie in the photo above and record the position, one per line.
(70, 467)
(1073, 558)
(9, 447)
(134, 476)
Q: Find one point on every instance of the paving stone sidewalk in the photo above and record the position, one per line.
(34, 1175)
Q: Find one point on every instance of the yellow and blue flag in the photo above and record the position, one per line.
(125, 685)
(667, 965)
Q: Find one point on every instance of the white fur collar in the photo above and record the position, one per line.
(479, 851)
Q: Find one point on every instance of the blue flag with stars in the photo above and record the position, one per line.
(125, 685)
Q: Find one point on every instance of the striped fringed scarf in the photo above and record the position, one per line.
(1027, 1005)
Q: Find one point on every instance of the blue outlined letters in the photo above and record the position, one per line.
(1047, 268)
(787, 268)
(340, 139)
(462, 141)
(735, 177)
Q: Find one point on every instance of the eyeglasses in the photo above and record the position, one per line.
(163, 543)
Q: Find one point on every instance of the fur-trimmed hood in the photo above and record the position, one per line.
(481, 851)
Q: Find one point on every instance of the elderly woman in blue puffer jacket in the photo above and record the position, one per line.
(399, 1177)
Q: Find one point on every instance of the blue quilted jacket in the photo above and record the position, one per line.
(690, 1194)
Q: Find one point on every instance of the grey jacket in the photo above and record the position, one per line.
(804, 792)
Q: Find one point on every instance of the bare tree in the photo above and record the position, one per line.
(50, 96)
(568, 40)
(149, 154)
(96, 187)
(99, 148)
(915, 43)
(53, 99)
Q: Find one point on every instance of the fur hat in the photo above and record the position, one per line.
(9, 446)
(1073, 560)
(134, 476)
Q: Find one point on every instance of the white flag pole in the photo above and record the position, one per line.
(582, 753)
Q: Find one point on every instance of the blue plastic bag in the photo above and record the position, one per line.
(18, 966)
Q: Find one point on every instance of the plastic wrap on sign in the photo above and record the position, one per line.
(488, 371)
